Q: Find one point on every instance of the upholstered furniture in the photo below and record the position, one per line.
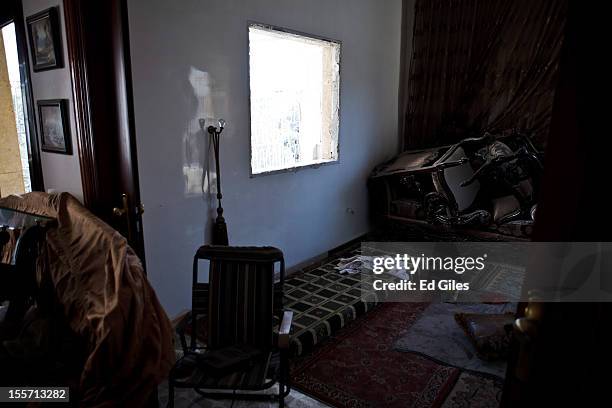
(91, 293)
(487, 184)
(489, 333)
(241, 302)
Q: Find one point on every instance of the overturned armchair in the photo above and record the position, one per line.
(486, 186)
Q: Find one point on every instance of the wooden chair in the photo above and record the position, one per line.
(240, 302)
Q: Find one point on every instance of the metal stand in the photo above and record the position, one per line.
(219, 236)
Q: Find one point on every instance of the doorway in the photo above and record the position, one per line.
(15, 156)
(20, 170)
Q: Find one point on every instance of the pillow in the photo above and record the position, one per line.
(488, 333)
(504, 207)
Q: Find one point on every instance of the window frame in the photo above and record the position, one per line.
(251, 23)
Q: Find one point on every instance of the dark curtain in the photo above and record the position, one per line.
(479, 65)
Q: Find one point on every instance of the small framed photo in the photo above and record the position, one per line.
(45, 40)
(54, 126)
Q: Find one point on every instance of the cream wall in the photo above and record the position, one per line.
(60, 172)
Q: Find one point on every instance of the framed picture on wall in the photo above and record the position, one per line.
(54, 126)
(45, 40)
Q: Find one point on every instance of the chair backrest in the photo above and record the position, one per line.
(241, 294)
(448, 181)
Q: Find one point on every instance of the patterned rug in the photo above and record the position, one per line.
(358, 367)
(323, 301)
(474, 391)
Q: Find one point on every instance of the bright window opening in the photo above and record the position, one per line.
(14, 149)
(295, 99)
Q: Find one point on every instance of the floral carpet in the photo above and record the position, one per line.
(474, 391)
(357, 367)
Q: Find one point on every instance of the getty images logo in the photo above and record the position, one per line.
(412, 264)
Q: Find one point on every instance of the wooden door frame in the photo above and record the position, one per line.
(83, 126)
(79, 71)
(12, 11)
(561, 358)
(103, 104)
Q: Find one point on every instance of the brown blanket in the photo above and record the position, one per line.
(106, 299)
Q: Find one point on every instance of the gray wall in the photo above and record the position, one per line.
(190, 60)
(60, 172)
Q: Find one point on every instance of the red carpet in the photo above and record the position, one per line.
(358, 367)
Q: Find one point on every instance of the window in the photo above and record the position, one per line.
(295, 99)
(14, 155)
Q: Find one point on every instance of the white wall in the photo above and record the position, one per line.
(60, 172)
(190, 60)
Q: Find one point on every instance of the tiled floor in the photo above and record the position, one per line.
(189, 398)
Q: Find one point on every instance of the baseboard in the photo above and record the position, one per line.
(346, 245)
(318, 260)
